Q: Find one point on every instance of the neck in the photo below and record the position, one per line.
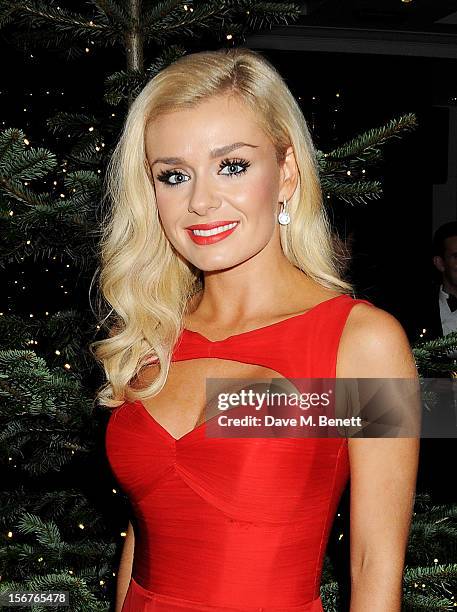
(450, 288)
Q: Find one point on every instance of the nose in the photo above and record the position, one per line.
(202, 198)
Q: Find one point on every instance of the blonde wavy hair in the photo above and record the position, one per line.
(146, 283)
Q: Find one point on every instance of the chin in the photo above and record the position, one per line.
(217, 265)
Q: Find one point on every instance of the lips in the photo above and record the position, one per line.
(205, 240)
(212, 225)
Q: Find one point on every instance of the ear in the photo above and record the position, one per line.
(438, 263)
(288, 175)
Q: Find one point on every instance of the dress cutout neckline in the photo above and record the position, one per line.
(265, 327)
(166, 432)
(201, 426)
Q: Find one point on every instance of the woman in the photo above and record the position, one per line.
(218, 261)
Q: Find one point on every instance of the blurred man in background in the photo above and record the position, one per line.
(437, 455)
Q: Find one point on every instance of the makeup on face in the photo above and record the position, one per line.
(209, 233)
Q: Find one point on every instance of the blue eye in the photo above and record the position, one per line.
(164, 176)
(232, 163)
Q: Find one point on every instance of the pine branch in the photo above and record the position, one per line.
(265, 14)
(124, 85)
(208, 16)
(366, 144)
(28, 165)
(156, 10)
(58, 22)
(438, 346)
(75, 124)
(111, 11)
(121, 85)
(11, 143)
(356, 192)
(416, 602)
(20, 193)
(435, 355)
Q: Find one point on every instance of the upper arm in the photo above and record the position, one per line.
(383, 470)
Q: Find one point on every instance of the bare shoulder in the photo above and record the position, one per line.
(374, 344)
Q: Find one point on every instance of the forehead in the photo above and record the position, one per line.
(450, 244)
(213, 123)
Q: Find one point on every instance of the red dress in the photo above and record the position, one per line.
(234, 524)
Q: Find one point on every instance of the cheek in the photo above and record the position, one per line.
(258, 197)
(168, 219)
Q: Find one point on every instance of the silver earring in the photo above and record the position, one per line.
(284, 217)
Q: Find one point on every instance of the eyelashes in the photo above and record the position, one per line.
(225, 163)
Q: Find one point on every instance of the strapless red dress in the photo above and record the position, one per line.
(234, 524)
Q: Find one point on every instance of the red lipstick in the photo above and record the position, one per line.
(212, 225)
(203, 240)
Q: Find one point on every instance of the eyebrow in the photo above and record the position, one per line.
(214, 153)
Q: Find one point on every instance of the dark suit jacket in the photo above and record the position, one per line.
(425, 316)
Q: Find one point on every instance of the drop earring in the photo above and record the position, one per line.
(284, 217)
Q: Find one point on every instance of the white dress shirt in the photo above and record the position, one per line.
(448, 318)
